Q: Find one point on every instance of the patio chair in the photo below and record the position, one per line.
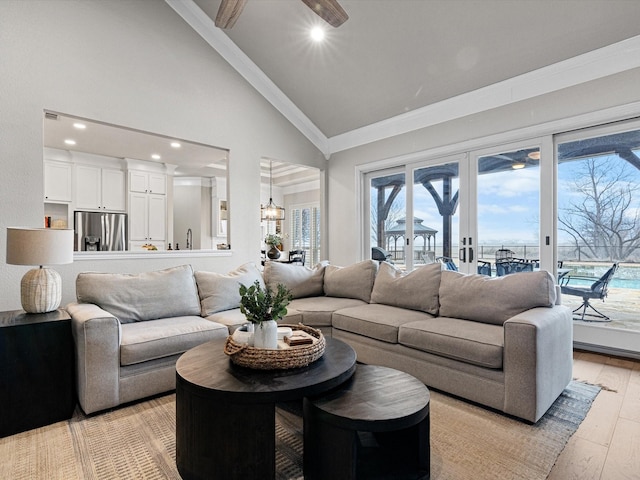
(504, 254)
(484, 268)
(515, 265)
(598, 289)
(448, 263)
(297, 256)
(428, 257)
(380, 254)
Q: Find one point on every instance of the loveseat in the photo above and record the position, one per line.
(502, 342)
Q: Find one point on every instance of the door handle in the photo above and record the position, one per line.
(470, 254)
(463, 255)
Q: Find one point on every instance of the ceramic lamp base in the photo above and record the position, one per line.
(41, 290)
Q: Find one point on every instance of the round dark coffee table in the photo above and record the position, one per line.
(225, 414)
(375, 425)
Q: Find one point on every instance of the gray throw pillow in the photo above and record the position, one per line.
(415, 290)
(494, 299)
(354, 281)
(135, 297)
(300, 280)
(220, 291)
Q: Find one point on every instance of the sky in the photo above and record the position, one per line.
(508, 202)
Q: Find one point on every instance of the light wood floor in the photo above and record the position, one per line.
(606, 446)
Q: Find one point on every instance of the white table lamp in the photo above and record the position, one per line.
(40, 288)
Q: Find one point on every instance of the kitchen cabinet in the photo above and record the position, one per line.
(147, 182)
(147, 217)
(57, 181)
(100, 188)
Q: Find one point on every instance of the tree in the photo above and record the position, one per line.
(395, 213)
(604, 222)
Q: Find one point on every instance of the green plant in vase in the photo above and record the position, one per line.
(263, 307)
(273, 240)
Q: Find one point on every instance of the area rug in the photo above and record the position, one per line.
(138, 442)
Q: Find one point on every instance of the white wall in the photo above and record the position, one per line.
(133, 63)
(343, 204)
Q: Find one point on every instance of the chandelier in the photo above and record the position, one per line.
(271, 211)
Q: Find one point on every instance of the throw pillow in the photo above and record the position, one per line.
(300, 280)
(415, 290)
(220, 291)
(354, 281)
(494, 299)
(135, 297)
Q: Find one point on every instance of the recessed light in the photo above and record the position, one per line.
(79, 126)
(68, 141)
(317, 34)
(175, 144)
(518, 165)
(155, 156)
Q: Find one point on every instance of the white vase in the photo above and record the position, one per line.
(266, 335)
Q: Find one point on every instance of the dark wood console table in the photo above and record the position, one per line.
(37, 370)
(225, 414)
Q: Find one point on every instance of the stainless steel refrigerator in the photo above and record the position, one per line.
(97, 231)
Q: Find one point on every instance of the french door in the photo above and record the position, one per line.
(463, 209)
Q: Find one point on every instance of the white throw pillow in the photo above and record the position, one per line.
(354, 281)
(300, 280)
(415, 290)
(494, 299)
(220, 291)
(135, 297)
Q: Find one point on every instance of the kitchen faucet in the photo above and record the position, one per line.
(189, 240)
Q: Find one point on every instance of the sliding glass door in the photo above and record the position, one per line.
(504, 222)
(599, 218)
(386, 206)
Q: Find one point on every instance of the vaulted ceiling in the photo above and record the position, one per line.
(399, 64)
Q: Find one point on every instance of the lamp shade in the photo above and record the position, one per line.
(39, 246)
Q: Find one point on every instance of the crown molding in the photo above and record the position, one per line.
(603, 62)
(221, 43)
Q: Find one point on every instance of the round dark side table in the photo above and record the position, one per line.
(225, 414)
(376, 425)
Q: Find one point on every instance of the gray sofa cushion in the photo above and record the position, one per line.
(494, 299)
(471, 342)
(376, 321)
(150, 340)
(317, 311)
(234, 318)
(354, 281)
(134, 297)
(300, 280)
(221, 291)
(416, 290)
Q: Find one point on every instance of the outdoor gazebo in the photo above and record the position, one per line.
(398, 231)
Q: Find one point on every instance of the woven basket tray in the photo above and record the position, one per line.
(281, 359)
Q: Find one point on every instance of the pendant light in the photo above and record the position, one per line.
(271, 211)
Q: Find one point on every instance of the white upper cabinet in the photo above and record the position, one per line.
(147, 182)
(100, 188)
(57, 181)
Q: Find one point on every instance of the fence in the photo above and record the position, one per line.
(527, 252)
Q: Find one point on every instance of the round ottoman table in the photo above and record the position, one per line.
(374, 425)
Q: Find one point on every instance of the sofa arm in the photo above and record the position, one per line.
(538, 360)
(96, 335)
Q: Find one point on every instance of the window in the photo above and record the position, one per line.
(305, 231)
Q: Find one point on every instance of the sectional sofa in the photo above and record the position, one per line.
(502, 342)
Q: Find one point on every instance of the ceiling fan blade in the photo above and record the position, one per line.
(329, 10)
(229, 12)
